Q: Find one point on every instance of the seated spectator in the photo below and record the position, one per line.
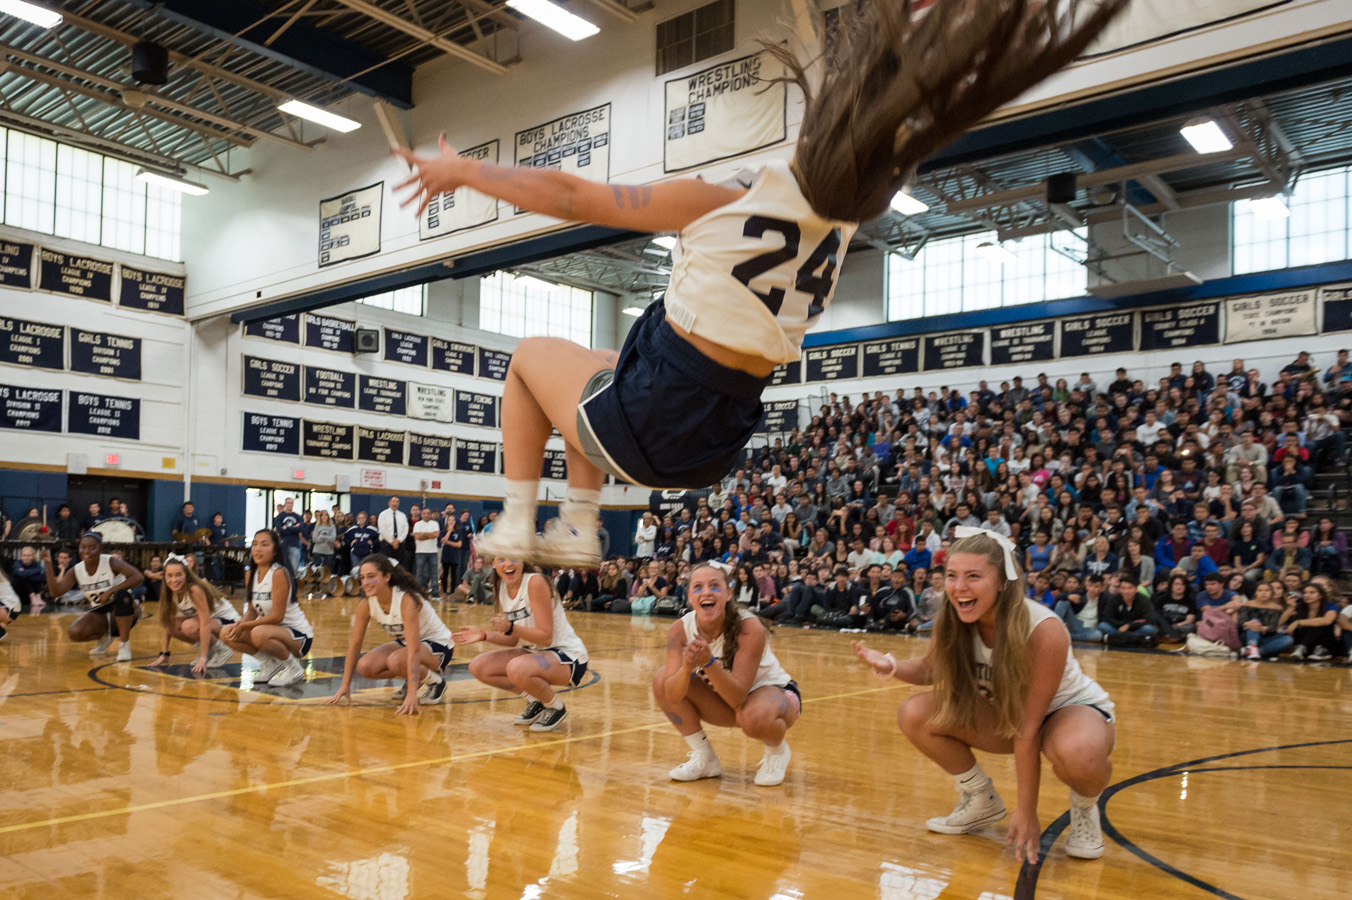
(894, 605)
(1177, 606)
(1328, 549)
(1069, 553)
(27, 576)
(1310, 620)
(1197, 566)
(1137, 564)
(154, 580)
(1214, 592)
(1288, 557)
(1261, 634)
(1291, 485)
(1080, 610)
(1102, 561)
(1129, 613)
(475, 587)
(1173, 548)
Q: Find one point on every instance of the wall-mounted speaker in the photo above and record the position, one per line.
(149, 62)
(367, 340)
(1061, 187)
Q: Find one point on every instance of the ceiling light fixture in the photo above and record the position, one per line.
(319, 116)
(634, 311)
(665, 241)
(1205, 136)
(31, 12)
(907, 205)
(1269, 209)
(172, 182)
(995, 252)
(553, 16)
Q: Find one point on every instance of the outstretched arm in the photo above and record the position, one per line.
(660, 207)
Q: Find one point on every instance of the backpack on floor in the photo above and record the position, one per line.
(643, 606)
(1217, 627)
(1200, 646)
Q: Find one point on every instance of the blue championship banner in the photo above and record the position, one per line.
(963, 350)
(723, 111)
(493, 364)
(472, 408)
(33, 344)
(109, 355)
(379, 445)
(17, 265)
(151, 291)
(480, 457)
(327, 440)
(329, 387)
(1185, 326)
(450, 356)
(115, 417)
(326, 333)
(406, 347)
(429, 451)
(285, 329)
(30, 409)
(271, 434)
(75, 276)
(555, 465)
(382, 395)
(272, 379)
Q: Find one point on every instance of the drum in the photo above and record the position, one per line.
(117, 530)
(29, 529)
(351, 586)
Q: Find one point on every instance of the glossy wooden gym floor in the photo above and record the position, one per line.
(121, 782)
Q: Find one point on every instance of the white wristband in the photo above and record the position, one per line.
(893, 660)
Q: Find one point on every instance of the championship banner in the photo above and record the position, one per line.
(461, 208)
(1337, 303)
(476, 409)
(329, 387)
(271, 379)
(16, 265)
(381, 395)
(151, 291)
(1147, 21)
(787, 373)
(1271, 315)
(450, 356)
(286, 329)
(886, 358)
(493, 364)
(406, 347)
(724, 111)
(1030, 342)
(1185, 326)
(431, 401)
(116, 417)
(349, 225)
(963, 350)
(110, 355)
(33, 344)
(780, 416)
(429, 451)
(76, 276)
(327, 440)
(271, 434)
(480, 457)
(831, 363)
(1095, 335)
(327, 333)
(30, 409)
(555, 466)
(378, 445)
(578, 144)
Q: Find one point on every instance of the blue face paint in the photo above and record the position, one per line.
(675, 719)
(542, 660)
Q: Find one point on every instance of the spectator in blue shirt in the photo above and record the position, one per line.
(361, 539)
(1173, 548)
(186, 522)
(290, 526)
(918, 557)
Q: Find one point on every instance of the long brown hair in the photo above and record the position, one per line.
(527, 570)
(169, 600)
(953, 657)
(732, 616)
(399, 576)
(897, 86)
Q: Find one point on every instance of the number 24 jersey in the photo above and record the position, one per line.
(755, 274)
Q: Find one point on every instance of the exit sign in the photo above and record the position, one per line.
(112, 459)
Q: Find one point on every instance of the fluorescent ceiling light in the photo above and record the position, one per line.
(634, 311)
(908, 205)
(319, 116)
(665, 241)
(556, 17)
(173, 182)
(31, 12)
(996, 253)
(1269, 208)
(1205, 136)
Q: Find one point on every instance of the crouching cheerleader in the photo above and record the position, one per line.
(192, 610)
(720, 670)
(421, 649)
(1004, 681)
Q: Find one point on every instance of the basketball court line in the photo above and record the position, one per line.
(373, 770)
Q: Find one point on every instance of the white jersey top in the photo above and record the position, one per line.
(1076, 688)
(768, 672)
(260, 598)
(103, 578)
(430, 626)
(756, 274)
(222, 609)
(518, 611)
(8, 598)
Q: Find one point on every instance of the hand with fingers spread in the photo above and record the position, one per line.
(882, 664)
(1025, 835)
(432, 175)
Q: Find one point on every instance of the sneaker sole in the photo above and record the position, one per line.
(567, 561)
(1085, 852)
(526, 552)
(964, 829)
(538, 728)
(717, 773)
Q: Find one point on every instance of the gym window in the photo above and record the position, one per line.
(522, 306)
(1316, 231)
(409, 300)
(694, 36)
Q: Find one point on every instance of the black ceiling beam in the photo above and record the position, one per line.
(312, 50)
(1306, 65)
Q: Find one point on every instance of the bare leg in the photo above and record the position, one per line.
(700, 704)
(951, 748)
(275, 641)
(491, 668)
(767, 714)
(1077, 742)
(536, 674)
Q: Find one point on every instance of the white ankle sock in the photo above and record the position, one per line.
(521, 499)
(1080, 801)
(556, 703)
(973, 781)
(698, 741)
(581, 508)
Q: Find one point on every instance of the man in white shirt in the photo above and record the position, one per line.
(1148, 432)
(393, 528)
(425, 555)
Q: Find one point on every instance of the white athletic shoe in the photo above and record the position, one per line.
(972, 812)
(219, 655)
(701, 764)
(534, 709)
(773, 765)
(509, 539)
(565, 547)
(400, 692)
(432, 692)
(101, 648)
(268, 667)
(1086, 833)
(291, 672)
(124, 652)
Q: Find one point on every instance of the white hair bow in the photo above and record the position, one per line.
(966, 531)
(174, 557)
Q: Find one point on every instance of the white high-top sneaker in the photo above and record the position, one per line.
(701, 764)
(510, 539)
(566, 547)
(773, 765)
(1085, 840)
(973, 811)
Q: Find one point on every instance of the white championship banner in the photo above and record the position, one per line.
(462, 208)
(430, 401)
(349, 225)
(724, 111)
(1144, 21)
(578, 144)
(1269, 316)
